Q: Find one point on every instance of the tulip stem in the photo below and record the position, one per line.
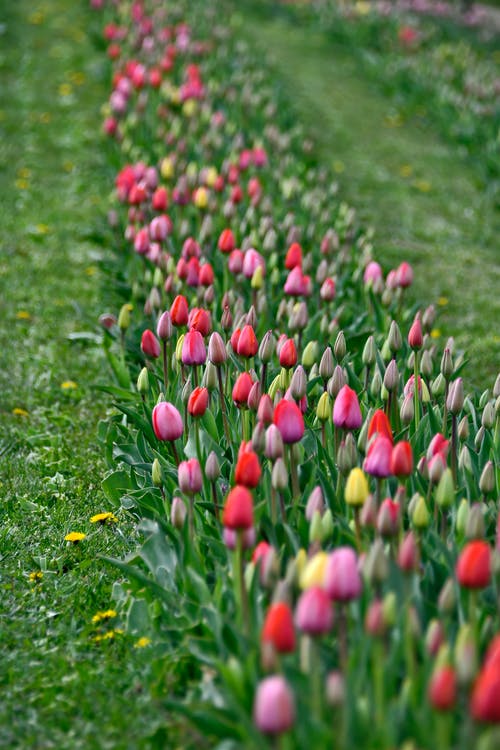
(416, 403)
(274, 509)
(378, 683)
(214, 496)
(357, 527)
(454, 448)
(176, 454)
(197, 439)
(165, 366)
(315, 673)
(408, 643)
(294, 474)
(223, 404)
(263, 375)
(342, 631)
(191, 518)
(240, 591)
(443, 727)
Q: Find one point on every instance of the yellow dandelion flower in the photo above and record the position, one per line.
(18, 412)
(23, 315)
(108, 614)
(65, 89)
(435, 333)
(68, 166)
(21, 184)
(36, 576)
(36, 18)
(104, 518)
(442, 301)
(338, 166)
(42, 228)
(142, 642)
(75, 537)
(23, 173)
(91, 270)
(69, 385)
(406, 170)
(424, 186)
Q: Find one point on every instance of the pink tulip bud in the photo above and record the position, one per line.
(342, 578)
(164, 327)
(314, 612)
(346, 411)
(415, 337)
(167, 422)
(289, 421)
(149, 344)
(408, 555)
(274, 707)
(193, 349)
(230, 537)
(378, 459)
(388, 518)
(189, 476)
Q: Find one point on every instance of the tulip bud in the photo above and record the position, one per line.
(178, 513)
(376, 566)
(475, 526)
(274, 707)
(217, 352)
(212, 468)
(124, 317)
(463, 429)
(487, 478)
(488, 416)
(356, 489)
(335, 689)
(426, 365)
(461, 517)
(164, 326)
(369, 511)
(408, 554)
(143, 382)
(445, 491)
(156, 476)
(274, 443)
(326, 365)
(327, 524)
(324, 407)
(455, 400)
(279, 476)
(478, 440)
(309, 355)
(407, 411)
(447, 597)
(298, 383)
(447, 364)
(438, 386)
(336, 382)
(465, 655)
(340, 348)
(394, 338)
(415, 338)
(389, 608)
(315, 529)
(434, 637)
(369, 355)
(391, 377)
(259, 437)
(420, 517)
(267, 347)
(314, 612)
(375, 624)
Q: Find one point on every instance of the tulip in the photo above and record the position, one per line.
(415, 337)
(388, 518)
(442, 689)
(408, 555)
(179, 311)
(246, 344)
(167, 422)
(193, 349)
(293, 256)
(200, 320)
(248, 469)
(342, 580)
(485, 700)
(226, 241)
(401, 464)
(238, 509)
(474, 565)
(288, 354)
(314, 612)
(246, 538)
(198, 402)
(273, 708)
(378, 459)
(356, 489)
(164, 326)
(346, 411)
(241, 389)
(278, 628)
(289, 421)
(380, 425)
(149, 344)
(189, 476)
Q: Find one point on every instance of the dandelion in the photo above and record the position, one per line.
(142, 642)
(91, 271)
(18, 412)
(42, 229)
(65, 89)
(35, 576)
(442, 301)
(406, 170)
(104, 518)
(424, 186)
(22, 184)
(435, 333)
(69, 385)
(23, 315)
(104, 616)
(74, 537)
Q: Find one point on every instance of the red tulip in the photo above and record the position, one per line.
(346, 411)
(288, 354)
(159, 200)
(241, 389)
(179, 311)
(235, 262)
(402, 459)
(442, 690)
(226, 241)
(380, 425)
(247, 344)
(278, 628)
(474, 565)
(328, 290)
(198, 402)
(293, 256)
(200, 320)
(149, 344)
(404, 275)
(415, 337)
(248, 471)
(238, 510)
(485, 700)
(289, 421)
(206, 274)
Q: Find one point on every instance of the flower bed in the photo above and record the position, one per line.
(316, 493)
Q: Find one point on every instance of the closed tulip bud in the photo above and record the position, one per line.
(226, 320)
(408, 554)
(461, 517)
(386, 352)
(428, 318)
(369, 355)
(193, 349)
(378, 459)
(248, 471)
(375, 624)
(447, 364)
(279, 476)
(241, 390)
(475, 526)
(312, 571)
(217, 352)
(178, 513)
(463, 429)
(488, 416)
(394, 338)
(484, 398)
(415, 337)
(315, 529)
(156, 476)
(267, 347)
(447, 598)
(309, 355)
(212, 468)
(342, 580)
(436, 468)
(335, 689)
(298, 383)
(368, 515)
(259, 437)
(442, 689)
(289, 421)
(388, 518)
(167, 422)
(391, 376)
(274, 443)
(198, 402)
(209, 379)
(278, 628)
(465, 656)
(487, 478)
(478, 440)
(445, 491)
(426, 365)
(150, 345)
(376, 566)
(254, 397)
(390, 608)
(401, 460)
(455, 400)
(336, 382)
(189, 476)
(407, 411)
(421, 517)
(438, 386)
(314, 612)
(346, 411)
(340, 348)
(143, 382)
(164, 326)
(247, 344)
(124, 317)
(473, 568)
(356, 489)
(178, 348)
(324, 407)
(274, 706)
(434, 637)
(327, 364)
(376, 384)
(485, 705)
(327, 524)
(179, 311)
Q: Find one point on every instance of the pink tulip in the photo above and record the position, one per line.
(378, 459)
(342, 579)
(346, 411)
(273, 708)
(149, 344)
(314, 612)
(289, 421)
(193, 349)
(167, 422)
(189, 476)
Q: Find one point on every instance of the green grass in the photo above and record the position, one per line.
(59, 687)
(437, 217)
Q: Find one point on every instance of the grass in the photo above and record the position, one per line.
(60, 688)
(424, 202)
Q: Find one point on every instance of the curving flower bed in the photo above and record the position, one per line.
(315, 490)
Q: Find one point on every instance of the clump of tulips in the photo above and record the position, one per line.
(317, 492)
